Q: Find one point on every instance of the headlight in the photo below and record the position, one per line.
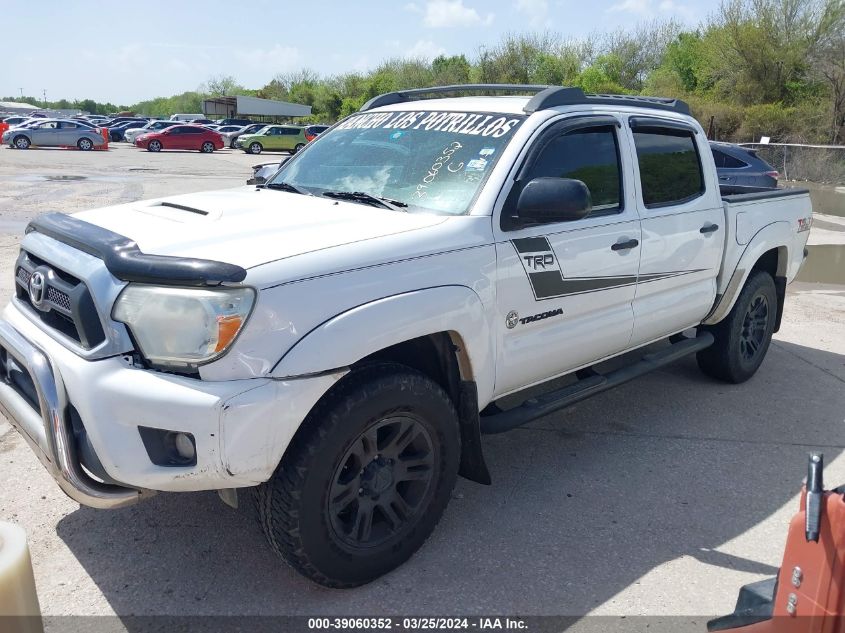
(183, 326)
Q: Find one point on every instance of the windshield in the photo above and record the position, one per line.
(427, 161)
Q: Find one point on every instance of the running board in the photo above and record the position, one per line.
(590, 385)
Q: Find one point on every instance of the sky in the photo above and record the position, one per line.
(81, 49)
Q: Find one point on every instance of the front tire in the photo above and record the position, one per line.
(207, 147)
(366, 479)
(255, 148)
(742, 338)
(298, 148)
(154, 146)
(21, 142)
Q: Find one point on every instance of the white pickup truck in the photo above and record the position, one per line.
(338, 339)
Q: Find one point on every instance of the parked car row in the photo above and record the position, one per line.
(291, 138)
(54, 133)
(181, 137)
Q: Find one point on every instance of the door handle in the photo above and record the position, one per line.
(624, 246)
(709, 228)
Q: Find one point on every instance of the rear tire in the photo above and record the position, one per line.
(85, 144)
(207, 147)
(298, 148)
(742, 338)
(366, 478)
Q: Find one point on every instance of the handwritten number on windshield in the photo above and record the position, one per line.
(441, 161)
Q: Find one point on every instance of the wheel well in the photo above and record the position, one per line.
(435, 355)
(774, 262)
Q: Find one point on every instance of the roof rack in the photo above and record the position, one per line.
(544, 97)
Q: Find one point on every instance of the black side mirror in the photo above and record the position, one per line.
(553, 200)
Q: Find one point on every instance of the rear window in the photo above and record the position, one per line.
(726, 161)
(670, 169)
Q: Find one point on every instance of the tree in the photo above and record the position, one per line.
(221, 86)
(828, 65)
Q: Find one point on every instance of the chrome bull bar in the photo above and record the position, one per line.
(48, 432)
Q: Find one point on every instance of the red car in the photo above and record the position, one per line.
(181, 137)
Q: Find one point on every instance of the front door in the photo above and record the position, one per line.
(565, 289)
(46, 134)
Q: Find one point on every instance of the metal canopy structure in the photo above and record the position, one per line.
(233, 107)
(17, 106)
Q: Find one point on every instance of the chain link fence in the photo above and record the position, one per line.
(824, 164)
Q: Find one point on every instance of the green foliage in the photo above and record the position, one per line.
(768, 119)
(756, 68)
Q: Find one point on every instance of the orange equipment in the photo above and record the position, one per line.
(808, 595)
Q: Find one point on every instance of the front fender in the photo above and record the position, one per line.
(357, 333)
(778, 235)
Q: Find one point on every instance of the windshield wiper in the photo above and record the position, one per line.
(367, 198)
(284, 186)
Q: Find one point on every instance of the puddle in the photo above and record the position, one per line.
(60, 178)
(824, 265)
(829, 199)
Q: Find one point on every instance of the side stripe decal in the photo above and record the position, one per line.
(548, 282)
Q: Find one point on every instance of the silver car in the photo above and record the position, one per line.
(153, 126)
(54, 133)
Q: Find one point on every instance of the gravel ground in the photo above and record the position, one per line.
(661, 497)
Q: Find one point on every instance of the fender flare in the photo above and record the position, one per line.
(355, 334)
(772, 236)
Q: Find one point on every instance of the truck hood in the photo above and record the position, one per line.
(248, 226)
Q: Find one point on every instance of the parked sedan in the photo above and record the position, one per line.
(116, 132)
(153, 126)
(739, 167)
(313, 131)
(252, 128)
(13, 121)
(230, 133)
(274, 137)
(184, 137)
(54, 133)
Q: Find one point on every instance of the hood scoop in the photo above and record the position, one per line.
(173, 205)
(177, 212)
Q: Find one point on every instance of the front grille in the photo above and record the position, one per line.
(23, 276)
(61, 301)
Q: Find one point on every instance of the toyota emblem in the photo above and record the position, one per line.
(37, 289)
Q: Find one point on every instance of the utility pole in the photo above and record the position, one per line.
(44, 92)
(21, 90)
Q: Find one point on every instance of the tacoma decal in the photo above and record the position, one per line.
(541, 316)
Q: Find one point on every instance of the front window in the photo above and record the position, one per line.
(424, 161)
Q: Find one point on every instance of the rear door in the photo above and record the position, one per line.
(178, 138)
(192, 137)
(68, 133)
(683, 228)
(564, 289)
(289, 138)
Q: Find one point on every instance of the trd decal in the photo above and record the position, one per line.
(547, 280)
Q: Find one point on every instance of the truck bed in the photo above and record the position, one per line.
(734, 193)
